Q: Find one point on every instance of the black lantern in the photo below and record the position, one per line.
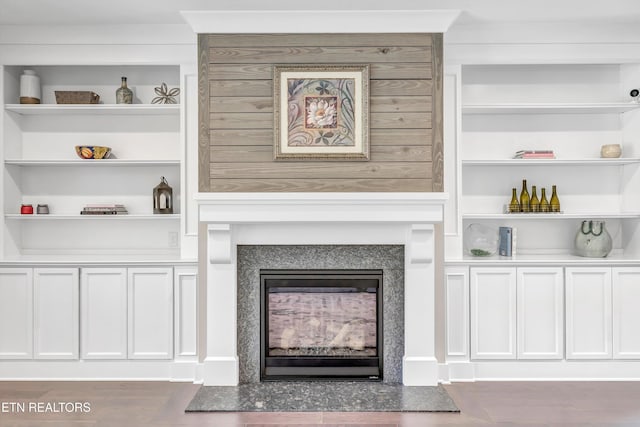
(163, 198)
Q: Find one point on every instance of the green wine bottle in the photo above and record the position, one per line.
(514, 204)
(524, 198)
(544, 204)
(535, 202)
(554, 203)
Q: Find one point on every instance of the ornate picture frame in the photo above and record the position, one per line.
(321, 112)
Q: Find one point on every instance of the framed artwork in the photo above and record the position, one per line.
(321, 112)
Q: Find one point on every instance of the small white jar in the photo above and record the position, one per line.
(29, 88)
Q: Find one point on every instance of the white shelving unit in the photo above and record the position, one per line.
(572, 110)
(91, 109)
(551, 108)
(40, 165)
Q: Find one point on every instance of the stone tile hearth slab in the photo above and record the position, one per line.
(322, 396)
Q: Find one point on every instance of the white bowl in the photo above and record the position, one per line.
(611, 151)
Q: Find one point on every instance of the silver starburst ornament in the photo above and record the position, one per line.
(165, 96)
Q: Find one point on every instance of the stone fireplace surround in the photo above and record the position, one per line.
(253, 258)
(313, 219)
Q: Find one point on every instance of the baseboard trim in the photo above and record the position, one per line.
(98, 370)
(523, 370)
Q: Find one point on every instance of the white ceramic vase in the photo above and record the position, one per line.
(29, 88)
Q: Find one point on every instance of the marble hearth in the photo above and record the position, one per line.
(314, 220)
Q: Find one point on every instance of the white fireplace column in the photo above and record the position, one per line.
(320, 219)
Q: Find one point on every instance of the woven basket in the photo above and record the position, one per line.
(76, 97)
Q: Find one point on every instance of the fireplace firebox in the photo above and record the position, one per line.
(321, 325)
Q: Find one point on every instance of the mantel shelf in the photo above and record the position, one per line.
(92, 163)
(128, 217)
(558, 216)
(98, 109)
(554, 162)
(551, 108)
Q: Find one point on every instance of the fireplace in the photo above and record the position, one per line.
(321, 324)
(317, 220)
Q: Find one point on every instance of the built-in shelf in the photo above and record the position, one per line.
(547, 216)
(106, 109)
(563, 259)
(92, 163)
(128, 217)
(551, 108)
(554, 162)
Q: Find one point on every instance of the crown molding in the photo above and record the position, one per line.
(320, 21)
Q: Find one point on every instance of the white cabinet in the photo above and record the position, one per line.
(626, 313)
(540, 308)
(588, 312)
(127, 313)
(493, 313)
(56, 313)
(457, 313)
(516, 313)
(150, 313)
(103, 313)
(16, 313)
(185, 285)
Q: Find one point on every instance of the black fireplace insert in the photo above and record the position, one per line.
(320, 325)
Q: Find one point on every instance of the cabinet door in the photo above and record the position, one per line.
(16, 313)
(588, 295)
(626, 313)
(185, 288)
(103, 313)
(150, 313)
(56, 306)
(493, 313)
(540, 313)
(457, 312)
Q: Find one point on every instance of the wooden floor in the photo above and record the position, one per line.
(162, 404)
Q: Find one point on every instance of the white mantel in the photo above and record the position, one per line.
(320, 219)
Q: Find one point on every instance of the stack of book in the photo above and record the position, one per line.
(108, 209)
(534, 154)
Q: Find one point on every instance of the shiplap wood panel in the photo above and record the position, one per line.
(264, 153)
(385, 137)
(391, 71)
(438, 116)
(204, 139)
(265, 120)
(239, 107)
(329, 54)
(264, 104)
(268, 40)
(265, 87)
(335, 170)
(318, 185)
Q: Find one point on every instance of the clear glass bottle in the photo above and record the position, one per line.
(525, 201)
(554, 202)
(514, 204)
(544, 204)
(124, 95)
(535, 202)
